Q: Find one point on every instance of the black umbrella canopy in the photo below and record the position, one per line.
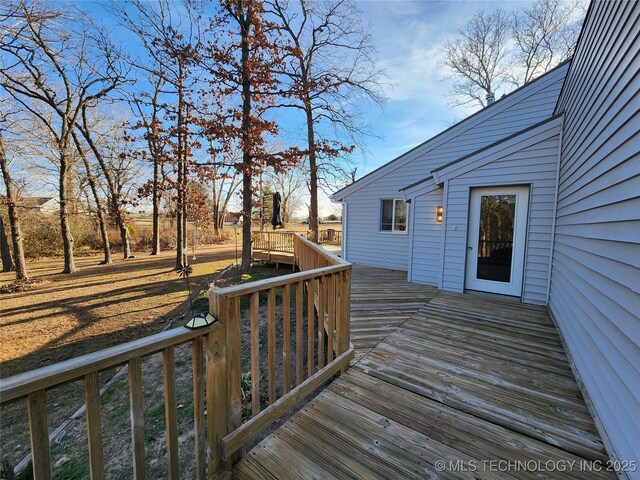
(276, 219)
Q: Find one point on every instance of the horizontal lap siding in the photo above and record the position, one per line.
(527, 106)
(367, 245)
(595, 283)
(426, 257)
(534, 165)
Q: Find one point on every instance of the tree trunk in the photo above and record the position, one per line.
(124, 231)
(215, 220)
(185, 202)
(247, 191)
(155, 237)
(111, 185)
(180, 221)
(5, 248)
(247, 202)
(215, 215)
(102, 222)
(313, 173)
(14, 218)
(179, 234)
(67, 237)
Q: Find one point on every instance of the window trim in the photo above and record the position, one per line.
(393, 217)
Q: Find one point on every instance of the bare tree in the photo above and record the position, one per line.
(225, 180)
(479, 59)
(103, 150)
(172, 41)
(14, 217)
(290, 185)
(330, 62)
(545, 34)
(52, 61)
(95, 191)
(496, 51)
(147, 107)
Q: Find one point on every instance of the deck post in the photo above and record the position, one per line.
(216, 390)
(228, 403)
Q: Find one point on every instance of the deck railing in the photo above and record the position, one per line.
(206, 343)
(281, 242)
(311, 350)
(317, 299)
(330, 236)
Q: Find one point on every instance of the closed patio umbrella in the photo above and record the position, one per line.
(276, 219)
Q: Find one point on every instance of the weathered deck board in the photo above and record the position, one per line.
(380, 303)
(440, 377)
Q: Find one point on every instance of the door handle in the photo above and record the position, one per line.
(469, 247)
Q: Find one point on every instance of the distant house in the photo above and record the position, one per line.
(40, 204)
(537, 197)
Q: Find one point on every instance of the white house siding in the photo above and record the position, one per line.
(595, 283)
(366, 244)
(528, 160)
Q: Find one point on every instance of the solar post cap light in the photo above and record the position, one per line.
(199, 321)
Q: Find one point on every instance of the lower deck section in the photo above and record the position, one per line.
(444, 386)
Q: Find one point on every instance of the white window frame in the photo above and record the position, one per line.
(393, 231)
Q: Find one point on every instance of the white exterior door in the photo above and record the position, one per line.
(496, 239)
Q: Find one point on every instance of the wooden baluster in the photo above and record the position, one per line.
(271, 343)
(39, 430)
(136, 408)
(199, 427)
(94, 425)
(299, 334)
(331, 302)
(216, 390)
(310, 330)
(322, 285)
(255, 353)
(286, 339)
(268, 239)
(170, 412)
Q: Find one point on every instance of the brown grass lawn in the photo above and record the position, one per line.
(98, 306)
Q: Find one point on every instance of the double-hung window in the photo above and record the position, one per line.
(393, 217)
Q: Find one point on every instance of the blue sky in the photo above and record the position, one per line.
(410, 38)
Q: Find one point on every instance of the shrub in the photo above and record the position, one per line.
(42, 237)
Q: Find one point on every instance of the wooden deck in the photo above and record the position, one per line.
(444, 386)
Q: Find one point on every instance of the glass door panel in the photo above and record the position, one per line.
(495, 237)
